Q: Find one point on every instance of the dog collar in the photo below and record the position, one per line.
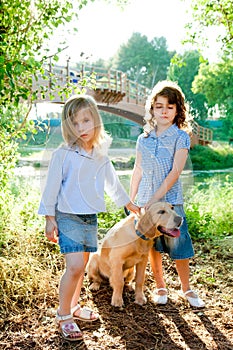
(139, 234)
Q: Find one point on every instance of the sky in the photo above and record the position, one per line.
(103, 27)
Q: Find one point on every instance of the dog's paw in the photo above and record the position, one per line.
(117, 302)
(141, 300)
(94, 286)
(129, 286)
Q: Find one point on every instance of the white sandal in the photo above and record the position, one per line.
(69, 331)
(86, 314)
(160, 299)
(195, 302)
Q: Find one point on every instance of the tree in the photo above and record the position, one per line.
(215, 82)
(183, 69)
(25, 27)
(133, 57)
(144, 62)
(215, 14)
(160, 59)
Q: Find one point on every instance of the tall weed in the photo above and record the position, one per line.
(30, 266)
(209, 210)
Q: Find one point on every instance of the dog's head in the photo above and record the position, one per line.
(159, 219)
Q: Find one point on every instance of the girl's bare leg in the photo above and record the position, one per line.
(157, 268)
(71, 281)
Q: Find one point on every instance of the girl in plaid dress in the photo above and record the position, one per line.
(161, 154)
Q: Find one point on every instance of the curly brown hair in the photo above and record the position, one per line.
(174, 94)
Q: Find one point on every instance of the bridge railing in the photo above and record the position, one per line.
(105, 80)
(112, 86)
(117, 81)
(204, 135)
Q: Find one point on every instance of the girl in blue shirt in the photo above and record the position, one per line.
(79, 173)
(161, 154)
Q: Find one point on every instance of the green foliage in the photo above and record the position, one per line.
(116, 126)
(144, 62)
(13, 126)
(216, 14)
(210, 158)
(30, 265)
(215, 82)
(209, 210)
(8, 158)
(25, 27)
(183, 70)
(21, 52)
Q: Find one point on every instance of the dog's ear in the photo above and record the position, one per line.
(145, 225)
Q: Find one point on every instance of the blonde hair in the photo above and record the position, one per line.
(173, 92)
(72, 106)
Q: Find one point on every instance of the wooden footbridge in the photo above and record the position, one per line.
(113, 92)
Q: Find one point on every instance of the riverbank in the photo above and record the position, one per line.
(212, 157)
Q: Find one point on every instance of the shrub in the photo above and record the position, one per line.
(209, 210)
(210, 157)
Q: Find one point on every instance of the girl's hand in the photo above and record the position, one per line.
(51, 230)
(133, 207)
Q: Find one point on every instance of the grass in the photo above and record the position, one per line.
(30, 270)
(30, 266)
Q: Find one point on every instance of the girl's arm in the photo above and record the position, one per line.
(136, 176)
(178, 166)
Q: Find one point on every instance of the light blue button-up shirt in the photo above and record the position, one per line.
(76, 183)
(157, 156)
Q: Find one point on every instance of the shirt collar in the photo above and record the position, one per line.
(80, 151)
(172, 130)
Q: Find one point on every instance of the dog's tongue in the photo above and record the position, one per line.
(174, 232)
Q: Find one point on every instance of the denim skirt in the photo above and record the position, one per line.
(77, 232)
(177, 248)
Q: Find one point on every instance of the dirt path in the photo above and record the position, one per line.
(173, 326)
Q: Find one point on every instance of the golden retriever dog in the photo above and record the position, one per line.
(126, 246)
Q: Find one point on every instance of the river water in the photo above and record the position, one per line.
(37, 176)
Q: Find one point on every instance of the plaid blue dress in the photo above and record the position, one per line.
(157, 161)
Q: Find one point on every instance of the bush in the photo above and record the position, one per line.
(209, 210)
(210, 157)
